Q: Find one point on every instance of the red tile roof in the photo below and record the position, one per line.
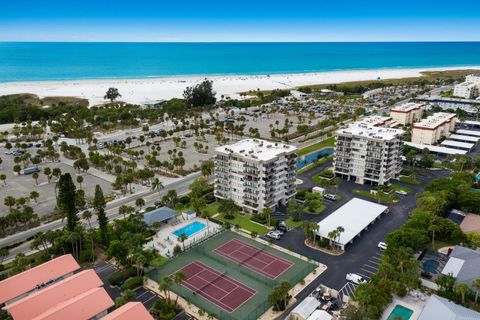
(26, 281)
(41, 301)
(82, 307)
(129, 311)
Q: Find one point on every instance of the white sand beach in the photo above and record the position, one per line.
(142, 90)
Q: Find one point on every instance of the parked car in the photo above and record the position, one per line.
(382, 245)
(9, 152)
(17, 153)
(157, 203)
(401, 192)
(273, 235)
(30, 170)
(282, 228)
(355, 278)
(330, 196)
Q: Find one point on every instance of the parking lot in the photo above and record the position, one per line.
(362, 256)
(21, 185)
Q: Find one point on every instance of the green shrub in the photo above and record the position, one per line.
(132, 283)
(118, 278)
(86, 256)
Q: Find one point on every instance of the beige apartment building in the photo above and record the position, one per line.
(407, 113)
(368, 154)
(432, 129)
(256, 174)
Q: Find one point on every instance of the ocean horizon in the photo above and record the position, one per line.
(58, 61)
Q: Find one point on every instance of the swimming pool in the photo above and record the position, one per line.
(310, 158)
(400, 313)
(189, 229)
(430, 266)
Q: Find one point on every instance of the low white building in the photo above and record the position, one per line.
(407, 113)
(354, 217)
(433, 128)
(305, 308)
(469, 89)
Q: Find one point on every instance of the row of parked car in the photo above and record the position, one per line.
(279, 231)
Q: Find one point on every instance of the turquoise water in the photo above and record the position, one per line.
(189, 229)
(309, 158)
(26, 61)
(400, 312)
(430, 266)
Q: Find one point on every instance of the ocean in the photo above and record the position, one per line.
(37, 61)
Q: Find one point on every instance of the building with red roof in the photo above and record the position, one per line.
(129, 311)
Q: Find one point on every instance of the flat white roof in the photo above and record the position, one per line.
(453, 266)
(369, 131)
(354, 216)
(256, 149)
(375, 120)
(305, 308)
(469, 132)
(460, 137)
(471, 122)
(406, 107)
(457, 144)
(320, 315)
(436, 149)
(435, 120)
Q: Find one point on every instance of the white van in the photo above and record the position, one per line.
(355, 278)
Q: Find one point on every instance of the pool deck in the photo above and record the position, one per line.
(413, 303)
(164, 241)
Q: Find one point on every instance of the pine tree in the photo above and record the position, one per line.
(99, 205)
(66, 200)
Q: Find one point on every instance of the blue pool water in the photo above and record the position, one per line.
(309, 158)
(189, 229)
(400, 313)
(25, 61)
(430, 266)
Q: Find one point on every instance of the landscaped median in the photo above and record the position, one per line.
(382, 196)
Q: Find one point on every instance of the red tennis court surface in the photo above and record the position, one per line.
(254, 258)
(216, 287)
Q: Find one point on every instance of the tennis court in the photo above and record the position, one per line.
(216, 287)
(241, 291)
(254, 258)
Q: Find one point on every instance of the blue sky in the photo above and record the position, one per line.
(246, 20)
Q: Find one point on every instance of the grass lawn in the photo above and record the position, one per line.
(397, 187)
(385, 198)
(158, 261)
(211, 209)
(330, 142)
(439, 244)
(410, 180)
(245, 223)
(293, 224)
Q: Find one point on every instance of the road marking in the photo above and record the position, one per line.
(374, 262)
(370, 272)
(376, 258)
(142, 294)
(149, 299)
(369, 266)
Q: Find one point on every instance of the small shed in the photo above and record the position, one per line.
(189, 214)
(320, 315)
(305, 309)
(318, 190)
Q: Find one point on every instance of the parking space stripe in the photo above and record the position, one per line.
(367, 271)
(369, 266)
(374, 262)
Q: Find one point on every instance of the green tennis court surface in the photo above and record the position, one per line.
(210, 255)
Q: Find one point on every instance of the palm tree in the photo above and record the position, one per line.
(34, 195)
(433, 228)
(182, 239)
(87, 215)
(4, 179)
(267, 213)
(164, 285)
(462, 289)
(157, 185)
(35, 177)
(332, 235)
(80, 181)
(178, 279)
(9, 201)
(140, 203)
(339, 231)
(476, 285)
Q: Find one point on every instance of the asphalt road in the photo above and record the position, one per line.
(362, 256)
(181, 186)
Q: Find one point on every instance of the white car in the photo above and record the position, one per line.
(382, 245)
(273, 235)
(330, 196)
(355, 278)
(401, 192)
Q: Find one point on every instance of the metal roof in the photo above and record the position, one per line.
(354, 216)
(460, 137)
(457, 144)
(441, 308)
(469, 132)
(435, 149)
(158, 215)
